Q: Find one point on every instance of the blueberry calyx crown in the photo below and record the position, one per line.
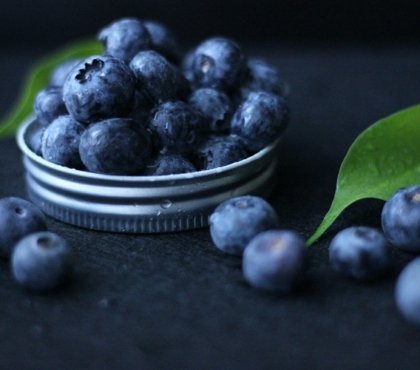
(85, 73)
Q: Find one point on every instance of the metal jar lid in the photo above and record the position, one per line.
(140, 204)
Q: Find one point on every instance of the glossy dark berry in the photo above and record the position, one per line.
(361, 253)
(273, 260)
(407, 292)
(18, 218)
(124, 38)
(236, 221)
(215, 106)
(218, 63)
(169, 164)
(218, 151)
(178, 126)
(60, 142)
(49, 105)
(260, 119)
(163, 40)
(41, 261)
(115, 146)
(160, 78)
(401, 219)
(61, 72)
(99, 87)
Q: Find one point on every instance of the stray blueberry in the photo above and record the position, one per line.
(273, 260)
(260, 119)
(41, 261)
(407, 292)
(34, 138)
(117, 146)
(360, 252)
(163, 40)
(179, 126)
(401, 219)
(124, 38)
(159, 77)
(60, 142)
(218, 151)
(49, 105)
(219, 63)
(215, 107)
(236, 221)
(18, 218)
(99, 87)
(169, 164)
(61, 72)
(262, 76)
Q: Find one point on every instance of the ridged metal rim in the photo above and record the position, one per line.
(140, 204)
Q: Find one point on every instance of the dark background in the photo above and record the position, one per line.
(174, 301)
(49, 22)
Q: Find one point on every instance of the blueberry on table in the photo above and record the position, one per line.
(262, 76)
(273, 260)
(169, 164)
(117, 146)
(163, 40)
(218, 151)
(360, 252)
(215, 106)
(237, 220)
(219, 63)
(160, 78)
(61, 72)
(179, 127)
(99, 87)
(124, 38)
(407, 292)
(41, 261)
(49, 105)
(18, 218)
(60, 142)
(260, 119)
(401, 219)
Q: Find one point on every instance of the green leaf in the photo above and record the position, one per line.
(382, 159)
(38, 78)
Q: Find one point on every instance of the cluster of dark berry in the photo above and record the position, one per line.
(273, 259)
(140, 109)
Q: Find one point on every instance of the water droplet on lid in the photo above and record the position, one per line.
(166, 204)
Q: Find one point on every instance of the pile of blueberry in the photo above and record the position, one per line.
(40, 260)
(274, 259)
(141, 109)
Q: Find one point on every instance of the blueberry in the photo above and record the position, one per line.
(60, 73)
(163, 40)
(160, 78)
(124, 38)
(218, 63)
(273, 260)
(18, 218)
(262, 76)
(401, 219)
(142, 106)
(359, 252)
(169, 164)
(34, 138)
(215, 106)
(60, 142)
(260, 119)
(187, 66)
(218, 151)
(49, 105)
(178, 126)
(41, 261)
(117, 146)
(407, 292)
(99, 87)
(237, 220)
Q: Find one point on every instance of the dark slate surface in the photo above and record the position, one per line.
(175, 302)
